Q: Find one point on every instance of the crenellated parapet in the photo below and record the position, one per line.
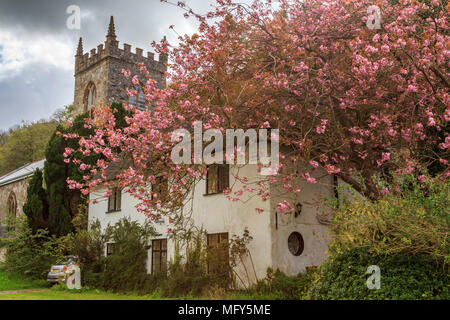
(98, 76)
(110, 48)
(86, 60)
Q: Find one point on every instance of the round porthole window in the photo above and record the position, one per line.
(296, 244)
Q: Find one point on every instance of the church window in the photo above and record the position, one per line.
(12, 211)
(138, 100)
(91, 96)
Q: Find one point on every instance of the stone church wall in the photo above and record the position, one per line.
(20, 191)
(102, 66)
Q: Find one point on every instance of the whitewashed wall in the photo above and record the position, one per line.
(98, 211)
(315, 234)
(217, 214)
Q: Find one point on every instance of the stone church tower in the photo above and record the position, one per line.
(98, 74)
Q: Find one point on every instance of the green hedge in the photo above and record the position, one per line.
(403, 276)
(29, 254)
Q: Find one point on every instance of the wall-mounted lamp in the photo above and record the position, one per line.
(298, 209)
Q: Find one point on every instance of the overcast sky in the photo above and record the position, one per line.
(37, 48)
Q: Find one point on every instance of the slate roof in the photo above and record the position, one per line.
(21, 173)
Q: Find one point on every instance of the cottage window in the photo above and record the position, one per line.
(160, 189)
(218, 254)
(110, 248)
(217, 178)
(159, 256)
(115, 200)
(296, 243)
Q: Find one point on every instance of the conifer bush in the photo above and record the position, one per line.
(31, 254)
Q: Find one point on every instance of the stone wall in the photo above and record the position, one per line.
(20, 190)
(103, 67)
(96, 74)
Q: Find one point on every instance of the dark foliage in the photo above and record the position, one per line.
(403, 276)
(36, 206)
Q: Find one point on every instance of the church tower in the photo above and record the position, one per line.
(98, 74)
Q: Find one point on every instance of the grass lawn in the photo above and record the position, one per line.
(65, 295)
(9, 282)
(51, 294)
(12, 282)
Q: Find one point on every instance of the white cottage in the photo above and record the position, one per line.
(288, 242)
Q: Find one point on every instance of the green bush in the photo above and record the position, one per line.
(403, 276)
(405, 233)
(36, 207)
(31, 254)
(186, 281)
(125, 270)
(189, 276)
(413, 220)
(88, 246)
(286, 287)
(152, 284)
(279, 286)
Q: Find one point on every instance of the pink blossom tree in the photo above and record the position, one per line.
(356, 101)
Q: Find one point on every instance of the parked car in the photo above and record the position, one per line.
(57, 271)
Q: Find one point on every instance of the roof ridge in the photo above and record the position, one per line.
(14, 171)
(16, 175)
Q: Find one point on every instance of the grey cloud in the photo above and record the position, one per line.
(38, 90)
(34, 96)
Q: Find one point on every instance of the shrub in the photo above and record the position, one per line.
(88, 246)
(36, 207)
(415, 220)
(125, 270)
(405, 233)
(279, 286)
(152, 284)
(31, 254)
(189, 276)
(403, 276)
(183, 281)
